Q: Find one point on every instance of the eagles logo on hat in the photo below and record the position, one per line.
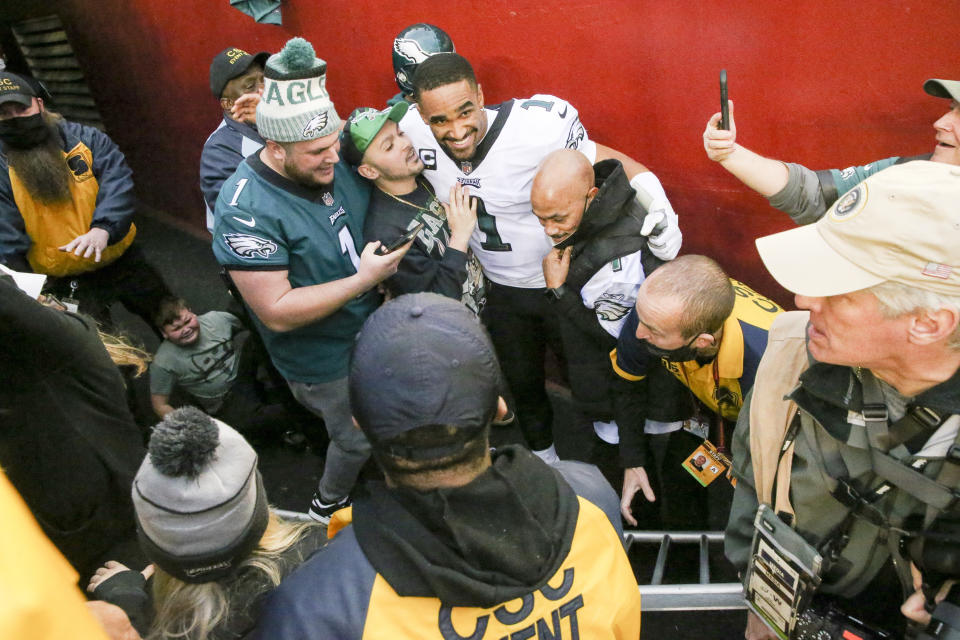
(295, 105)
(362, 127)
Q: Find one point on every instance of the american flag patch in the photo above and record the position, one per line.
(937, 270)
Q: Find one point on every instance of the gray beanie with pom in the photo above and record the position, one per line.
(295, 105)
(200, 503)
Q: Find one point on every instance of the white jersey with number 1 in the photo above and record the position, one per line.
(509, 240)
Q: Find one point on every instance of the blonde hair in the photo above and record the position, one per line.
(193, 611)
(124, 353)
(897, 299)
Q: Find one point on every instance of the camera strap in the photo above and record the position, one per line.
(912, 431)
(938, 493)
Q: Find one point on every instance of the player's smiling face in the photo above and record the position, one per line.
(455, 115)
(948, 136)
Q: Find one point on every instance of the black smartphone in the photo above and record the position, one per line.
(402, 240)
(724, 107)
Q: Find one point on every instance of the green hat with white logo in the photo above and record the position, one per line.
(362, 127)
(295, 105)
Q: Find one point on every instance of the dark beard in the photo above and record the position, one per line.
(42, 169)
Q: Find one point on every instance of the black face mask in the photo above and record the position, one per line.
(680, 354)
(24, 132)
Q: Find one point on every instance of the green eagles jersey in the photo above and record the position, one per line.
(264, 221)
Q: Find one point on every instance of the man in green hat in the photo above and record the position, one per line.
(439, 261)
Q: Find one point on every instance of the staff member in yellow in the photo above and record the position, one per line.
(66, 204)
(709, 330)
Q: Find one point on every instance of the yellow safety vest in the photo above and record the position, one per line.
(52, 226)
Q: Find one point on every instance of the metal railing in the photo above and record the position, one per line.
(704, 596)
(684, 597)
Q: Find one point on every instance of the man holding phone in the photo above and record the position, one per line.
(288, 230)
(805, 195)
(439, 261)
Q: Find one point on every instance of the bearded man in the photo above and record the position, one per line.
(66, 204)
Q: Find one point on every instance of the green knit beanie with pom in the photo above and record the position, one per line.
(295, 105)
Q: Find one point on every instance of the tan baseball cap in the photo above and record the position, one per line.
(901, 224)
(943, 88)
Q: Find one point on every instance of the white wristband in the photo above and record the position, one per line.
(648, 182)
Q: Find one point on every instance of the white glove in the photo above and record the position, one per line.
(665, 242)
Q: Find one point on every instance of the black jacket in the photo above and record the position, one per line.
(610, 229)
(68, 442)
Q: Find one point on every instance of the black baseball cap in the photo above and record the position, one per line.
(422, 359)
(230, 63)
(13, 88)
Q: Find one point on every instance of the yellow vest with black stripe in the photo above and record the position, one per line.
(52, 226)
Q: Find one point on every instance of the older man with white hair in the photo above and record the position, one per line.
(849, 443)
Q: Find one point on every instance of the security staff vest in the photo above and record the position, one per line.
(51, 226)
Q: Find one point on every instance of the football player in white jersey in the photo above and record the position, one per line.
(496, 152)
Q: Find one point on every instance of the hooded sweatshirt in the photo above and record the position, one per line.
(524, 548)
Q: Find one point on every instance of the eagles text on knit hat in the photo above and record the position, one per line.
(295, 105)
(199, 500)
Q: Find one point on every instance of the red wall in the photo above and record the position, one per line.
(817, 82)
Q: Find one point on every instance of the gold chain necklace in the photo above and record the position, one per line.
(435, 207)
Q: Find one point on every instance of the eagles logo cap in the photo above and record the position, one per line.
(901, 224)
(362, 127)
(13, 88)
(949, 89)
(230, 63)
(422, 359)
